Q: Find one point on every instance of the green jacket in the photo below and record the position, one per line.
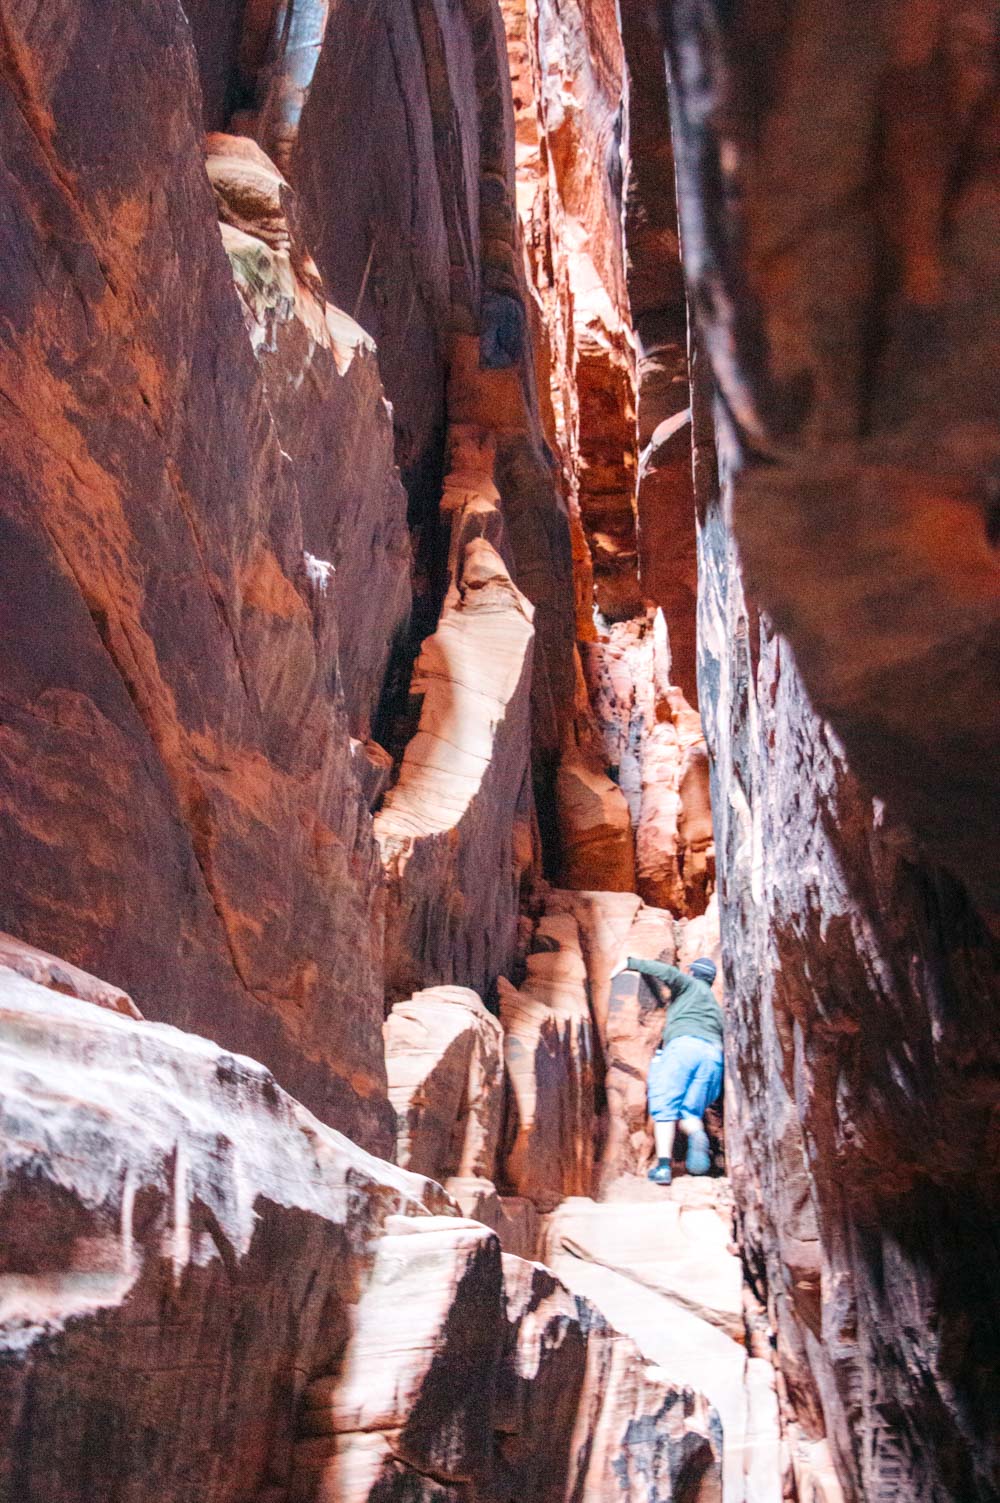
(693, 1011)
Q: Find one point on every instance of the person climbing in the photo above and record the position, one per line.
(686, 1073)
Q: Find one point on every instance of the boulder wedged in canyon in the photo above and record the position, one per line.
(594, 826)
(191, 1257)
(180, 814)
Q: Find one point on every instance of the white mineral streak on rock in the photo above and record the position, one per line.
(320, 573)
(105, 1109)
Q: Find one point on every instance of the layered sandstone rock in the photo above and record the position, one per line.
(857, 1117)
(192, 1257)
(51, 972)
(653, 742)
(601, 249)
(665, 1271)
(182, 1240)
(658, 312)
(840, 244)
(180, 811)
(859, 974)
(492, 1375)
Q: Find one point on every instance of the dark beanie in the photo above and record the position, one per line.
(704, 969)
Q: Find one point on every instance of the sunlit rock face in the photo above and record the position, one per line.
(601, 253)
(192, 1258)
(444, 1057)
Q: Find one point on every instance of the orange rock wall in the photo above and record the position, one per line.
(200, 482)
(602, 256)
(180, 814)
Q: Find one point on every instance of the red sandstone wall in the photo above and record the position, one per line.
(845, 304)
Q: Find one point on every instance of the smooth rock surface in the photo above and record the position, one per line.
(549, 1051)
(447, 826)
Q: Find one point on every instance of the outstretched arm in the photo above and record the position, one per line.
(668, 974)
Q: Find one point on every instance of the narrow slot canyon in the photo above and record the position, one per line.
(495, 495)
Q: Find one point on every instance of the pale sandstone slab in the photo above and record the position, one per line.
(673, 1246)
(468, 1369)
(181, 1240)
(549, 1055)
(185, 1246)
(59, 976)
(444, 1062)
(662, 1309)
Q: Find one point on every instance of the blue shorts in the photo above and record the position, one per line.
(684, 1078)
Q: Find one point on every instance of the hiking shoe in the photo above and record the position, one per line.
(699, 1157)
(661, 1173)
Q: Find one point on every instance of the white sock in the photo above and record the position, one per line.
(692, 1124)
(664, 1135)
